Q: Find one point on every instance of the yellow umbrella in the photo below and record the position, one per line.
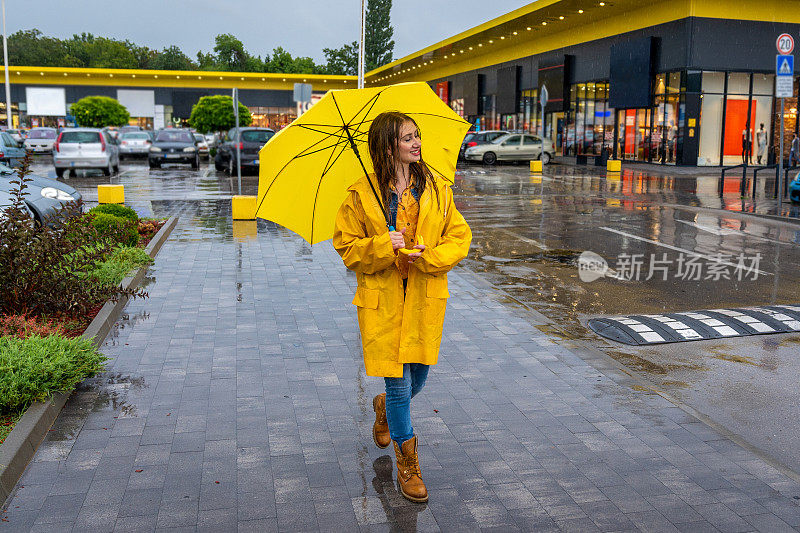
(306, 168)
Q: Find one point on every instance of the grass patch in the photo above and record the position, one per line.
(118, 264)
(34, 368)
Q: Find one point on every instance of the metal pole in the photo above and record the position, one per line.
(238, 138)
(5, 64)
(361, 45)
(780, 167)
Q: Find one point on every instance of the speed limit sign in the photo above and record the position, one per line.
(785, 44)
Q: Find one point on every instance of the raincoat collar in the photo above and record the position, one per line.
(373, 209)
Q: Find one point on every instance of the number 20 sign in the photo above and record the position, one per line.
(785, 44)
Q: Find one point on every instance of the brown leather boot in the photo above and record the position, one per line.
(408, 471)
(380, 429)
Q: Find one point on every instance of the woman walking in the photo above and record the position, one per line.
(401, 277)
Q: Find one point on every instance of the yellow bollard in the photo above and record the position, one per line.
(614, 165)
(244, 207)
(111, 194)
(536, 166)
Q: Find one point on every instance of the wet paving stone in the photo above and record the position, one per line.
(236, 398)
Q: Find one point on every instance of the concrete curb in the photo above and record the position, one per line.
(21, 444)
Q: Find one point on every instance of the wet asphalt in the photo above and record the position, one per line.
(528, 232)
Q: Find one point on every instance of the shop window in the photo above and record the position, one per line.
(674, 85)
(763, 84)
(713, 82)
(739, 83)
(710, 127)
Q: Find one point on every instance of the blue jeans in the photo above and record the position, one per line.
(399, 392)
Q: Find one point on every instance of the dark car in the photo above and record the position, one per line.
(43, 196)
(474, 138)
(251, 141)
(173, 146)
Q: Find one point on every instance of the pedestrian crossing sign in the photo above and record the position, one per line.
(784, 76)
(784, 65)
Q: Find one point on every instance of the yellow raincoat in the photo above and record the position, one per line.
(397, 329)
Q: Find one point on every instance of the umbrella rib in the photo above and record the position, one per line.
(372, 101)
(305, 127)
(328, 167)
(342, 140)
(261, 201)
(459, 119)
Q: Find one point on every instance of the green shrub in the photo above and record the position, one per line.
(118, 265)
(117, 210)
(43, 267)
(119, 230)
(34, 368)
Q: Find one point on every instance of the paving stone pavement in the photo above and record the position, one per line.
(236, 399)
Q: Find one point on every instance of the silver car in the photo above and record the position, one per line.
(44, 197)
(85, 148)
(41, 140)
(133, 143)
(202, 145)
(512, 147)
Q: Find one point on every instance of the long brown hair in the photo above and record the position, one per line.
(383, 138)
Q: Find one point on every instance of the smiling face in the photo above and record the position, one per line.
(409, 145)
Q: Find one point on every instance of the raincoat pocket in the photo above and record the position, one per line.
(437, 287)
(366, 298)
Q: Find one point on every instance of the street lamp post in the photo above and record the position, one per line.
(360, 46)
(5, 64)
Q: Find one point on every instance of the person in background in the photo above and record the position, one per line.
(761, 141)
(795, 150)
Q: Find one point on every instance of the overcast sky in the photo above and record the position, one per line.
(303, 27)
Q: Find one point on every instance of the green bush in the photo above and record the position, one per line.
(100, 111)
(117, 210)
(120, 230)
(119, 264)
(34, 368)
(43, 267)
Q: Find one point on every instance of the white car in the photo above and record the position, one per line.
(133, 143)
(202, 145)
(512, 147)
(85, 148)
(41, 140)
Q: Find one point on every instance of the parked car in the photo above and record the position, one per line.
(11, 153)
(6, 200)
(128, 129)
(202, 145)
(512, 147)
(112, 131)
(85, 148)
(41, 140)
(134, 143)
(173, 146)
(794, 189)
(252, 139)
(474, 138)
(43, 196)
(17, 135)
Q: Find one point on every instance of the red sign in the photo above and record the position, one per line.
(784, 44)
(443, 91)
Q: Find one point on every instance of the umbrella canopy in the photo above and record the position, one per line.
(306, 168)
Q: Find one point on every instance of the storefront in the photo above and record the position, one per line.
(670, 83)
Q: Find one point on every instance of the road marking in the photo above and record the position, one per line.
(525, 239)
(723, 232)
(682, 250)
(208, 172)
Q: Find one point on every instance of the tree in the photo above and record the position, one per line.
(342, 60)
(99, 112)
(171, 58)
(231, 53)
(215, 113)
(31, 48)
(378, 42)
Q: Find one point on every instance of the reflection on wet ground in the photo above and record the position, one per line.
(528, 232)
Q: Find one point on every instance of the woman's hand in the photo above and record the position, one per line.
(413, 257)
(397, 239)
